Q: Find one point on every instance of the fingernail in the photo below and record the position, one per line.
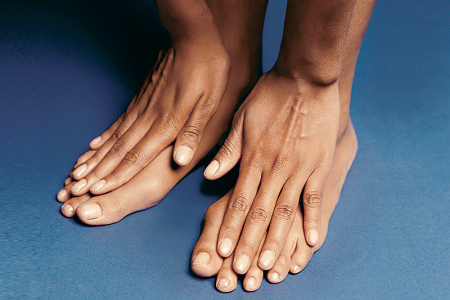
(274, 277)
(95, 141)
(61, 196)
(98, 185)
(80, 170)
(297, 269)
(183, 155)
(267, 258)
(67, 208)
(242, 262)
(91, 210)
(79, 185)
(223, 283)
(67, 181)
(202, 258)
(313, 237)
(212, 168)
(225, 246)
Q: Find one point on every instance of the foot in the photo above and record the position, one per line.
(296, 253)
(150, 185)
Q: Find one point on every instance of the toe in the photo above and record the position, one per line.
(282, 265)
(253, 277)
(68, 209)
(226, 278)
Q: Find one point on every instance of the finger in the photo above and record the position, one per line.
(83, 158)
(312, 206)
(191, 134)
(156, 140)
(257, 222)
(112, 159)
(99, 141)
(229, 154)
(64, 194)
(237, 209)
(280, 224)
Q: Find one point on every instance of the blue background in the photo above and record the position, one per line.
(67, 70)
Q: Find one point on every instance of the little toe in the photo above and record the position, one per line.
(226, 280)
(301, 256)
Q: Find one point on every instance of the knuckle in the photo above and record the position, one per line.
(284, 211)
(191, 133)
(248, 246)
(117, 150)
(238, 204)
(123, 117)
(116, 135)
(312, 199)
(134, 156)
(259, 215)
(228, 147)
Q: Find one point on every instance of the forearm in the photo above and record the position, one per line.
(313, 40)
(187, 20)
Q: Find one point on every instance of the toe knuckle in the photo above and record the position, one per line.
(238, 204)
(312, 199)
(284, 211)
(258, 215)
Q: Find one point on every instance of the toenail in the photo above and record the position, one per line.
(297, 269)
(223, 283)
(61, 195)
(242, 262)
(212, 168)
(267, 258)
(99, 185)
(274, 277)
(184, 154)
(67, 181)
(313, 236)
(91, 210)
(225, 246)
(80, 170)
(95, 141)
(251, 282)
(202, 258)
(67, 208)
(79, 185)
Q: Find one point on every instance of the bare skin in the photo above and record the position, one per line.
(295, 254)
(243, 46)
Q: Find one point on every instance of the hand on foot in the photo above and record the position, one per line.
(175, 104)
(285, 135)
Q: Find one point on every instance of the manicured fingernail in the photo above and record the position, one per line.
(223, 283)
(225, 246)
(61, 196)
(98, 185)
(67, 181)
(242, 262)
(202, 258)
(95, 141)
(183, 155)
(313, 237)
(297, 269)
(212, 168)
(274, 277)
(79, 185)
(80, 170)
(67, 208)
(251, 282)
(91, 210)
(267, 258)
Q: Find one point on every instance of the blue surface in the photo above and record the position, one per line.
(68, 70)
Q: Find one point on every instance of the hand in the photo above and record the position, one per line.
(285, 134)
(175, 104)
